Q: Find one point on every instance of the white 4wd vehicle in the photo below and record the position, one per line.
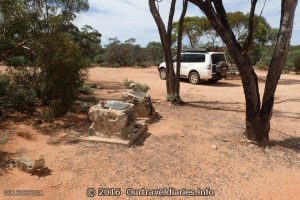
(197, 65)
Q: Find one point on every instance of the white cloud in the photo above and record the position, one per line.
(131, 18)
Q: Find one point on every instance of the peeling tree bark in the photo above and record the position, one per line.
(258, 115)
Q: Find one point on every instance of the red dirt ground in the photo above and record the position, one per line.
(177, 151)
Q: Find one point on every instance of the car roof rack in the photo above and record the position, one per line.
(201, 50)
(193, 50)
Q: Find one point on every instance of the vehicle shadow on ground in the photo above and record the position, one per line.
(209, 84)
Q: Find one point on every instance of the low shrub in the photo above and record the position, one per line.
(297, 64)
(48, 115)
(127, 83)
(4, 83)
(23, 98)
(4, 137)
(140, 86)
(85, 89)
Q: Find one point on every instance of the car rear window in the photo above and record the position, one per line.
(193, 58)
(216, 58)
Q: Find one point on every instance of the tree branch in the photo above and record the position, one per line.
(171, 17)
(288, 8)
(249, 39)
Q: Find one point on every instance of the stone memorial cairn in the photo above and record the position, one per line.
(113, 122)
(142, 102)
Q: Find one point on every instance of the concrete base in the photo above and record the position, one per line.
(139, 129)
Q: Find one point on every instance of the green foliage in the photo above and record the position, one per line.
(127, 83)
(85, 89)
(4, 83)
(199, 32)
(89, 41)
(48, 115)
(4, 137)
(63, 74)
(23, 98)
(294, 58)
(38, 36)
(99, 59)
(154, 53)
(170, 97)
(139, 86)
(16, 91)
(128, 54)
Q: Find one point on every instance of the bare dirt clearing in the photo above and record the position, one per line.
(193, 146)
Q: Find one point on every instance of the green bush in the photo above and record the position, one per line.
(4, 83)
(48, 115)
(16, 61)
(297, 64)
(63, 70)
(127, 83)
(23, 98)
(16, 91)
(139, 86)
(85, 89)
(100, 58)
(4, 137)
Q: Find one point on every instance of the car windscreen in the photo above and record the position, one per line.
(216, 58)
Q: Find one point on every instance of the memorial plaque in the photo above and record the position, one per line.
(117, 105)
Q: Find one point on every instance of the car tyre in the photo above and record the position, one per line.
(194, 78)
(163, 74)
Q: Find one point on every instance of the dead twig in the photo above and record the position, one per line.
(57, 185)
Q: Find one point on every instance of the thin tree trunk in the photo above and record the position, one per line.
(177, 98)
(166, 36)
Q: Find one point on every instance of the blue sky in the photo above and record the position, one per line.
(132, 19)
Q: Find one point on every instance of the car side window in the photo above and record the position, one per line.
(186, 58)
(198, 58)
(189, 58)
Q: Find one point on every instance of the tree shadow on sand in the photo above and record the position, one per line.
(292, 143)
(262, 79)
(6, 162)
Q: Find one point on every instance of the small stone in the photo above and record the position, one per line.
(87, 145)
(267, 149)
(39, 163)
(24, 163)
(10, 165)
(214, 147)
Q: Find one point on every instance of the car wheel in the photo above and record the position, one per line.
(213, 80)
(194, 78)
(163, 74)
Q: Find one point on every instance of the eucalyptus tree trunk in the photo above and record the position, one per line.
(258, 115)
(177, 98)
(172, 81)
